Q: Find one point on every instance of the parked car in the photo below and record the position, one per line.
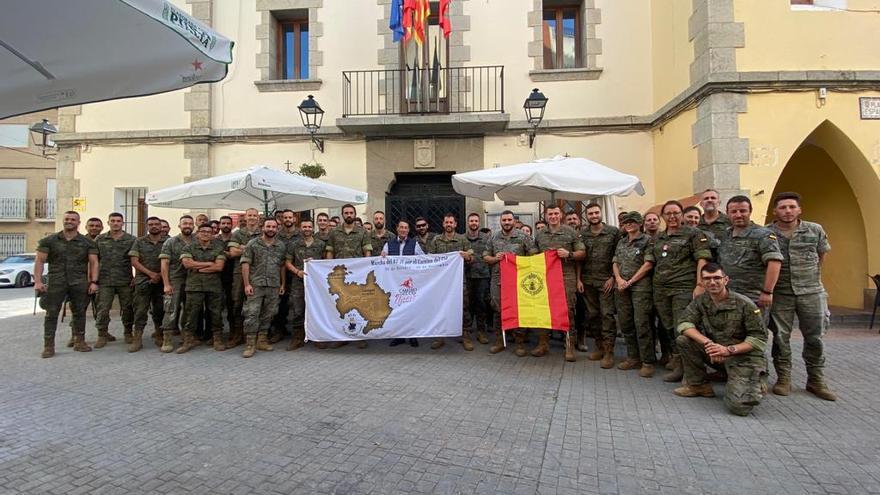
(18, 270)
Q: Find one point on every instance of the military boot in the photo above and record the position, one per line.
(520, 339)
(167, 341)
(276, 337)
(362, 344)
(630, 364)
(263, 342)
(466, 341)
(79, 344)
(438, 343)
(647, 370)
(664, 360)
(702, 390)
(72, 338)
(196, 341)
(187, 344)
(218, 342)
(127, 335)
(320, 345)
(157, 337)
(48, 347)
(250, 346)
(581, 340)
(817, 387)
(677, 372)
(597, 353)
(102, 339)
(783, 384)
(481, 335)
(543, 346)
(235, 336)
(607, 357)
(569, 348)
(137, 340)
(297, 339)
(498, 346)
(111, 337)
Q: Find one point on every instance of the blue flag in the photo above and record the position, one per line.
(396, 21)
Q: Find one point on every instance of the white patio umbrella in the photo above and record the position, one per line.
(546, 179)
(56, 53)
(256, 186)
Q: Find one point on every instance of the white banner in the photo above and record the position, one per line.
(383, 298)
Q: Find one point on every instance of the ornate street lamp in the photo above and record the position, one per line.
(312, 116)
(534, 107)
(43, 129)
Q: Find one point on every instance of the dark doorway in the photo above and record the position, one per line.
(428, 195)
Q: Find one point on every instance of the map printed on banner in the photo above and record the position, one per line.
(382, 298)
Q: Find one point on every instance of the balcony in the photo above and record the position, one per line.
(13, 210)
(44, 210)
(413, 102)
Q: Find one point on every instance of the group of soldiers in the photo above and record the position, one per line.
(705, 287)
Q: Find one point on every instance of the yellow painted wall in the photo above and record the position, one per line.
(777, 124)
(829, 200)
(672, 52)
(627, 153)
(675, 160)
(778, 38)
(104, 168)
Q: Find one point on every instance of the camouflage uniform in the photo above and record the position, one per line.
(203, 290)
(323, 236)
(425, 242)
(516, 243)
(477, 275)
(265, 262)
(635, 304)
(379, 241)
(226, 277)
(239, 240)
(744, 257)
(68, 278)
(173, 304)
(439, 245)
(342, 244)
(279, 322)
(147, 295)
(297, 253)
(717, 228)
(595, 272)
(799, 291)
(733, 321)
(114, 279)
(567, 238)
(675, 274)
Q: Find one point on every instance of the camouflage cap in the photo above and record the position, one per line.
(631, 216)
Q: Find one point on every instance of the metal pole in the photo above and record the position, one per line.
(266, 203)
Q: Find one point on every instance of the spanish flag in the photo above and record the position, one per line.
(533, 293)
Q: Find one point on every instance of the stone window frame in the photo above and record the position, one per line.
(267, 35)
(591, 45)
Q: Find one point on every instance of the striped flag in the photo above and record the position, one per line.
(533, 293)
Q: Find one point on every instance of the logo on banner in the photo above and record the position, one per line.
(406, 293)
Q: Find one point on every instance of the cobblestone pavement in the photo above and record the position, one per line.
(407, 421)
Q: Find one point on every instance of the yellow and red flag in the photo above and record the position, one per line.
(420, 20)
(533, 293)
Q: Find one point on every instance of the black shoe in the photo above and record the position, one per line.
(396, 342)
(413, 342)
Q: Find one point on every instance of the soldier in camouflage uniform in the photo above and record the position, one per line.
(348, 241)
(287, 233)
(596, 281)
(379, 236)
(567, 243)
(723, 328)
(323, 232)
(477, 275)
(226, 276)
(304, 249)
(144, 256)
(449, 242)
(174, 281)
(234, 250)
(423, 237)
(679, 253)
(73, 275)
(749, 255)
(94, 227)
(264, 276)
(203, 260)
(114, 280)
(799, 292)
(512, 241)
(713, 220)
(633, 262)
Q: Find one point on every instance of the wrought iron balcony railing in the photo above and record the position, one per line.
(441, 90)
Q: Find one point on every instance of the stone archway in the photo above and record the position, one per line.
(821, 171)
